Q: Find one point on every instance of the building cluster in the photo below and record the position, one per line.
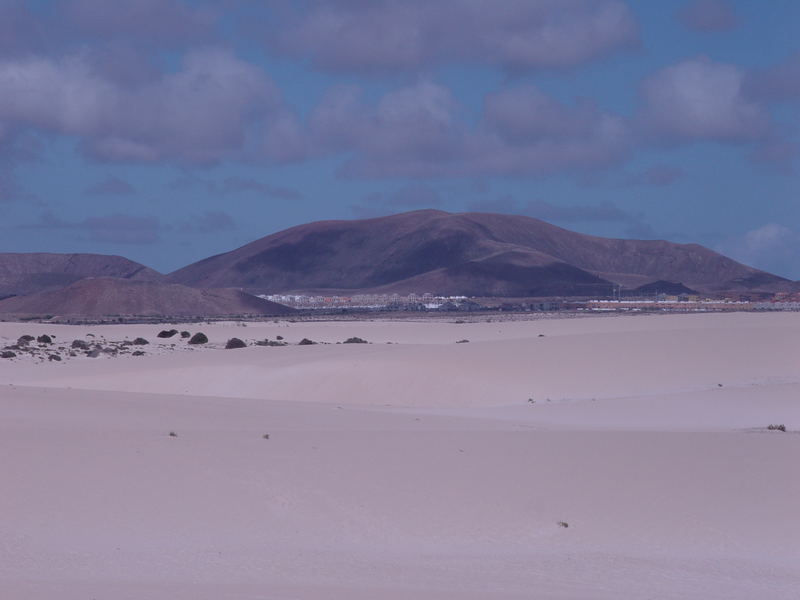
(435, 303)
(377, 302)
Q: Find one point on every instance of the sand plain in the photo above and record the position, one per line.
(421, 468)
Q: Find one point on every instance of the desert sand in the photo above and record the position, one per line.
(421, 468)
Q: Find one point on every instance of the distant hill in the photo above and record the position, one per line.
(467, 253)
(27, 273)
(106, 296)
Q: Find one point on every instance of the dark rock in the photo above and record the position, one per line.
(137, 353)
(93, 353)
(167, 333)
(462, 342)
(278, 337)
(140, 342)
(235, 343)
(44, 339)
(355, 340)
(80, 345)
(185, 334)
(7, 354)
(306, 342)
(25, 340)
(54, 357)
(271, 343)
(199, 338)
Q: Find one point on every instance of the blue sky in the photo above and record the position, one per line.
(171, 130)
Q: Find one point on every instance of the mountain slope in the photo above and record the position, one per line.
(469, 253)
(107, 296)
(27, 273)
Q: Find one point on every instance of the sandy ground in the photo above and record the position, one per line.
(419, 468)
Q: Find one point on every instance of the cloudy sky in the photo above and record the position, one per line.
(170, 130)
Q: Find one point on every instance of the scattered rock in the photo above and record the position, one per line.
(140, 342)
(137, 353)
(306, 342)
(80, 345)
(355, 340)
(199, 338)
(44, 339)
(269, 342)
(54, 357)
(235, 343)
(7, 354)
(167, 333)
(25, 340)
(93, 353)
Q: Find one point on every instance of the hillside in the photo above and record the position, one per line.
(105, 296)
(28, 273)
(468, 253)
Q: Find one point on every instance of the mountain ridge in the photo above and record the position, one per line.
(27, 273)
(109, 296)
(464, 253)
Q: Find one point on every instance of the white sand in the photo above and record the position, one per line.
(417, 469)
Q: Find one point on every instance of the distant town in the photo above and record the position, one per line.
(427, 302)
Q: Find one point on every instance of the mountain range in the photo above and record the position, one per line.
(473, 254)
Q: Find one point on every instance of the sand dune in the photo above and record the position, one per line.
(417, 469)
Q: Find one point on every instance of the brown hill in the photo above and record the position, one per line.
(106, 296)
(27, 273)
(469, 253)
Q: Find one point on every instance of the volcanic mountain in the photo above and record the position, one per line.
(35, 272)
(107, 296)
(469, 253)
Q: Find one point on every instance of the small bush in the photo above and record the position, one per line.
(235, 343)
(199, 338)
(780, 427)
(306, 342)
(355, 340)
